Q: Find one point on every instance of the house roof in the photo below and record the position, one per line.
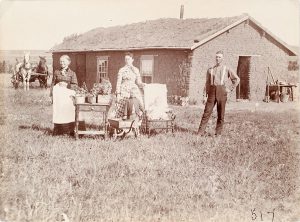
(243, 19)
(160, 33)
(165, 33)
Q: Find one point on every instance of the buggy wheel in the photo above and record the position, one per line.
(44, 84)
(41, 82)
(16, 84)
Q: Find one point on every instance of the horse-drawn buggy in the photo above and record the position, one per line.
(26, 73)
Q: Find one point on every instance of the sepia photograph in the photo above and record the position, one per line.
(149, 111)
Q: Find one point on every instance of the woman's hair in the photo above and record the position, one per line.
(66, 57)
(129, 54)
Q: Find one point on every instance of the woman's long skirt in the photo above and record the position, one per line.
(67, 128)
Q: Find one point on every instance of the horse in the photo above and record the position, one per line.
(24, 70)
(42, 68)
(26, 73)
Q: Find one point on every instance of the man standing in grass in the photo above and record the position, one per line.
(220, 80)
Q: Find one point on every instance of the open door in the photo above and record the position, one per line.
(243, 71)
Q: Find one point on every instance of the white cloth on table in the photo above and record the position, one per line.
(155, 99)
(63, 106)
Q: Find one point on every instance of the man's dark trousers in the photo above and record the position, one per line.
(216, 94)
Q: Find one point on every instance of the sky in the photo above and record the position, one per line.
(40, 24)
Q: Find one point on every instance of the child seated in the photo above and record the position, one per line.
(133, 107)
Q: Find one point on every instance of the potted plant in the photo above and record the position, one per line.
(80, 94)
(104, 91)
(92, 95)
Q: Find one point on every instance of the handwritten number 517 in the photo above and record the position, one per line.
(254, 214)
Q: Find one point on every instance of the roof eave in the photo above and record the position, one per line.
(274, 36)
(120, 49)
(239, 22)
(219, 32)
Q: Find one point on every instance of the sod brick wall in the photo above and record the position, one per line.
(244, 39)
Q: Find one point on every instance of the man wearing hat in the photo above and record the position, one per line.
(220, 80)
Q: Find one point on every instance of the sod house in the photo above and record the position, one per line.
(178, 52)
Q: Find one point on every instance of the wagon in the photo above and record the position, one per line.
(17, 78)
(119, 128)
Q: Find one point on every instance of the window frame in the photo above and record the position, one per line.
(102, 73)
(144, 77)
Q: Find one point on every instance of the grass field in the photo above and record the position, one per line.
(251, 173)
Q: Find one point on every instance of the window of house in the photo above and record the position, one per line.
(102, 67)
(147, 68)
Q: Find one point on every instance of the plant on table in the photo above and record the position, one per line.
(92, 95)
(103, 88)
(81, 91)
(106, 87)
(104, 91)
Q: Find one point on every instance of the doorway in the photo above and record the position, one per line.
(243, 71)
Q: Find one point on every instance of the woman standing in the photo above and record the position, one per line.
(64, 74)
(62, 89)
(128, 77)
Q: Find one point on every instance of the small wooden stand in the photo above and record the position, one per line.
(91, 107)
